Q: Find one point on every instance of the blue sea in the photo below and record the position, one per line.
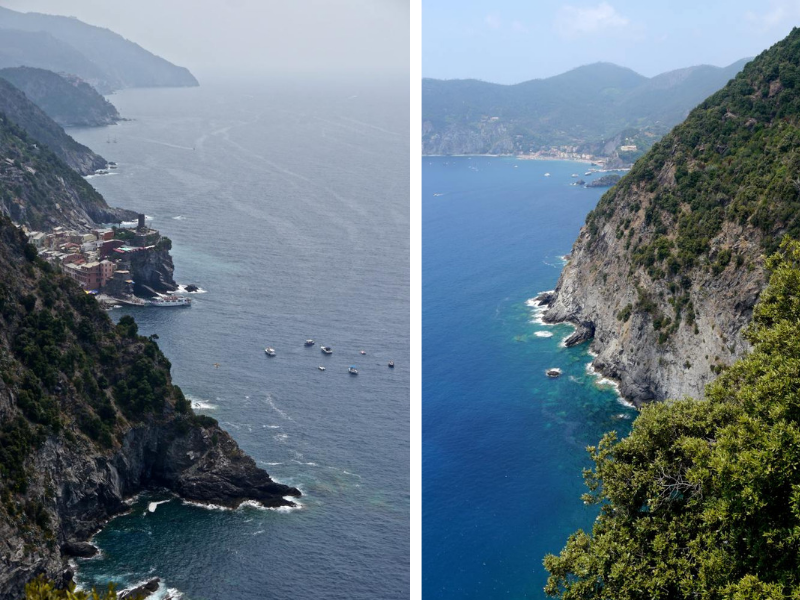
(503, 446)
(287, 204)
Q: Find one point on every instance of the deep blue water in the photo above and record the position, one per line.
(503, 445)
(288, 205)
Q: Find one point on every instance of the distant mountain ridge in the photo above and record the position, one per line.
(69, 101)
(592, 109)
(99, 56)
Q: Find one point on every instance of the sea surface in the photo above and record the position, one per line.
(288, 205)
(503, 446)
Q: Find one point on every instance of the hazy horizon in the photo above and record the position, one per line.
(247, 37)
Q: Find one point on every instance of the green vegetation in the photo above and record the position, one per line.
(734, 160)
(702, 500)
(69, 371)
(69, 101)
(36, 180)
(41, 589)
(586, 107)
(43, 130)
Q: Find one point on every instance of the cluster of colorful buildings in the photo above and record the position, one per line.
(98, 259)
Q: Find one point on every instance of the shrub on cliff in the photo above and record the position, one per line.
(41, 589)
(702, 500)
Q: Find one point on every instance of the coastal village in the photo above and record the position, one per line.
(101, 259)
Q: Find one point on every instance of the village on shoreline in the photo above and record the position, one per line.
(109, 262)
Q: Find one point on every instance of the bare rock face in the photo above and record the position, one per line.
(153, 269)
(201, 464)
(600, 285)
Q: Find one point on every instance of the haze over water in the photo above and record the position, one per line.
(503, 445)
(288, 205)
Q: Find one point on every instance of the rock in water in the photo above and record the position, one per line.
(78, 549)
(553, 373)
(140, 591)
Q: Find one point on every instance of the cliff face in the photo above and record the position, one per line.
(152, 270)
(88, 418)
(666, 272)
(24, 113)
(599, 286)
(40, 191)
(69, 101)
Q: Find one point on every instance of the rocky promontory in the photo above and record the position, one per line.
(665, 274)
(89, 417)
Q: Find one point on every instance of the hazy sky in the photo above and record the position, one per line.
(272, 36)
(516, 40)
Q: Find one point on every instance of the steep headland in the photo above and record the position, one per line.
(40, 128)
(668, 267)
(69, 101)
(37, 189)
(99, 56)
(88, 418)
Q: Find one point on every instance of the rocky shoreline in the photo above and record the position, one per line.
(200, 464)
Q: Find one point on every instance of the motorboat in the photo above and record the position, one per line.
(326, 349)
(270, 351)
(352, 371)
(321, 368)
(363, 352)
(547, 174)
(167, 301)
(391, 364)
(309, 342)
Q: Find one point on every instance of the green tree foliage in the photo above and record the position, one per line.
(68, 370)
(702, 500)
(734, 160)
(41, 589)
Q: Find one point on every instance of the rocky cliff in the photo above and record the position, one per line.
(668, 267)
(88, 418)
(38, 190)
(152, 271)
(68, 100)
(21, 111)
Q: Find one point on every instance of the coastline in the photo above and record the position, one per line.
(593, 160)
(539, 306)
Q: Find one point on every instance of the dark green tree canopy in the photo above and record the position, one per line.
(702, 500)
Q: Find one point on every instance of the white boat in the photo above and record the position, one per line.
(270, 351)
(391, 364)
(112, 165)
(547, 174)
(574, 175)
(326, 349)
(101, 172)
(362, 352)
(171, 301)
(352, 371)
(587, 173)
(310, 342)
(321, 368)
